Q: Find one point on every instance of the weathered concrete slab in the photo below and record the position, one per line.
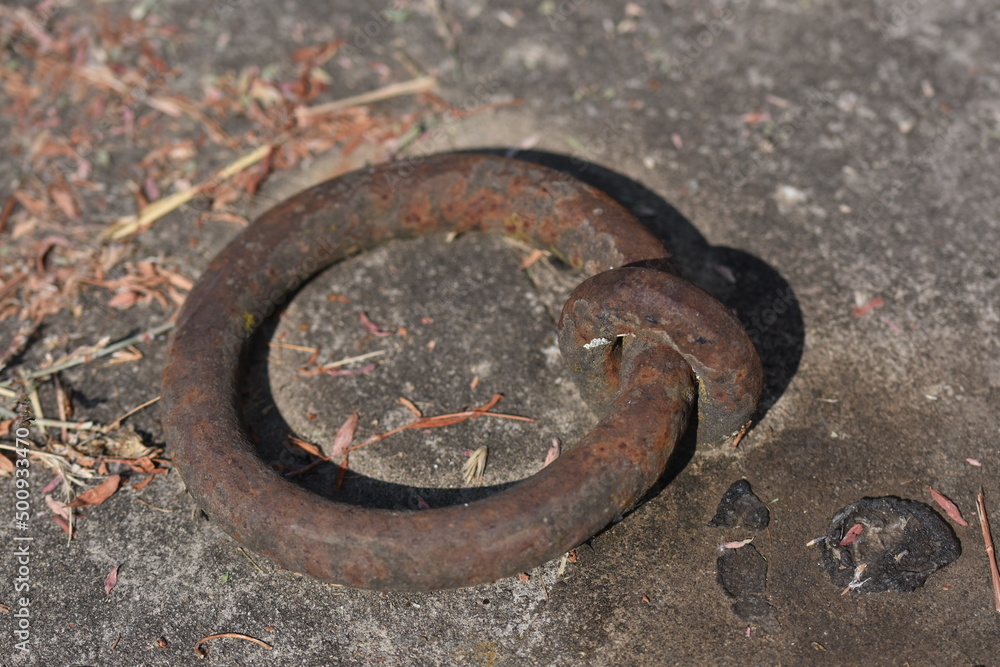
(822, 155)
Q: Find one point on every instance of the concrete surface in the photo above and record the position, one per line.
(874, 173)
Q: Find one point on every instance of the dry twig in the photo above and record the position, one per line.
(984, 523)
(235, 635)
(305, 115)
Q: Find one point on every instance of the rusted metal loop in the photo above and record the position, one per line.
(511, 531)
(607, 312)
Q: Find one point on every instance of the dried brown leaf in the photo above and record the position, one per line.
(852, 535)
(950, 508)
(33, 205)
(341, 473)
(370, 326)
(99, 493)
(553, 453)
(307, 446)
(531, 258)
(867, 307)
(63, 198)
(58, 508)
(149, 478)
(345, 436)
(124, 300)
(738, 544)
(439, 421)
(411, 406)
(62, 523)
(111, 581)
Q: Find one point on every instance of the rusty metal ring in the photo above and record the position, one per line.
(646, 385)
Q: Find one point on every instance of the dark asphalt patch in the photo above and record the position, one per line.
(902, 543)
(739, 506)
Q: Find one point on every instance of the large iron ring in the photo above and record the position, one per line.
(645, 346)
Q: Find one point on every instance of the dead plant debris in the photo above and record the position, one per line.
(202, 653)
(342, 446)
(991, 554)
(950, 508)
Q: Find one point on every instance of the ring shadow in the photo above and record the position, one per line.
(755, 291)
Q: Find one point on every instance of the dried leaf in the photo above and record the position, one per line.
(99, 493)
(149, 478)
(438, 421)
(737, 545)
(177, 280)
(6, 465)
(341, 474)
(63, 198)
(307, 446)
(852, 535)
(553, 453)
(33, 205)
(950, 508)
(524, 576)
(58, 508)
(725, 272)
(111, 581)
(867, 307)
(345, 436)
(370, 326)
(533, 257)
(142, 464)
(124, 300)
(411, 406)
(62, 523)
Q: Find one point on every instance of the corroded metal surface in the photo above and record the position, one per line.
(607, 312)
(643, 388)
